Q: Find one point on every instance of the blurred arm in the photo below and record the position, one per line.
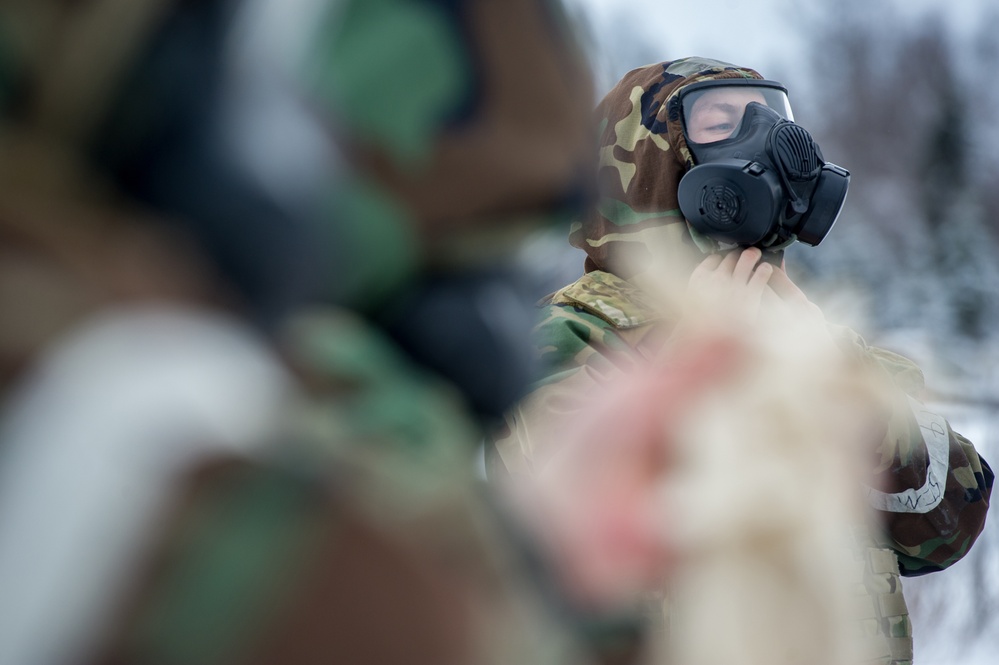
(930, 485)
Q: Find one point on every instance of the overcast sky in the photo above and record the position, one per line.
(759, 34)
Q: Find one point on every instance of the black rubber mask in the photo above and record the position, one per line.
(766, 185)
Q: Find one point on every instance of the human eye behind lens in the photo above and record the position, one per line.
(715, 126)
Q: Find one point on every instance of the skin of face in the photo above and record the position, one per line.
(717, 113)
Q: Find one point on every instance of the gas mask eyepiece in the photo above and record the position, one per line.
(759, 179)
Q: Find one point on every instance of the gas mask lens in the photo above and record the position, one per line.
(713, 110)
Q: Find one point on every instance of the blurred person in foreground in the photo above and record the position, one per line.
(704, 179)
(250, 369)
(125, 356)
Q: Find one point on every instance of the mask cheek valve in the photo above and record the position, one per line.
(732, 200)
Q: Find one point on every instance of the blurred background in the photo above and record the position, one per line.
(904, 94)
(195, 288)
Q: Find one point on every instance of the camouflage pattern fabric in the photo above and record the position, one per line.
(643, 155)
(449, 162)
(363, 538)
(885, 628)
(609, 300)
(466, 126)
(66, 252)
(602, 323)
(933, 488)
(472, 140)
(67, 245)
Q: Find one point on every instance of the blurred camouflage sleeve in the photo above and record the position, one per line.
(930, 486)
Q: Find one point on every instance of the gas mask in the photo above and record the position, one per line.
(759, 179)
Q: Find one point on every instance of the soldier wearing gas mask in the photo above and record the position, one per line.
(704, 179)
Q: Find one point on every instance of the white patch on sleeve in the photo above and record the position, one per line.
(925, 498)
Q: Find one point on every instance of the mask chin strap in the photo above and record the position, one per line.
(781, 240)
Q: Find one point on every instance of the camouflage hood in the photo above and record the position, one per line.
(643, 155)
